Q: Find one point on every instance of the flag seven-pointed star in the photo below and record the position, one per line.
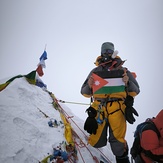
(98, 82)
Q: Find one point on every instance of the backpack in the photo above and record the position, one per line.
(136, 148)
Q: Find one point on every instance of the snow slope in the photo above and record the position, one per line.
(25, 136)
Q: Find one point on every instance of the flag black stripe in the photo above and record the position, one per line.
(110, 74)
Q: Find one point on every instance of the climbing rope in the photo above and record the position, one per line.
(70, 117)
(70, 102)
(81, 144)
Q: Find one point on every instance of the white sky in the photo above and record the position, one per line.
(74, 31)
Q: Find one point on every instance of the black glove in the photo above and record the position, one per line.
(90, 124)
(129, 111)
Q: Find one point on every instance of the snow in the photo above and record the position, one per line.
(25, 136)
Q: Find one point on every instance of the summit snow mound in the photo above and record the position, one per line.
(25, 134)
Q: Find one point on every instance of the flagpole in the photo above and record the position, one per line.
(45, 47)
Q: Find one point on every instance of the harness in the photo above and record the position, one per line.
(103, 103)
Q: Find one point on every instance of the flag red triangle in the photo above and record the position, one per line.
(98, 82)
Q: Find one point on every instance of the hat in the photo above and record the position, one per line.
(107, 45)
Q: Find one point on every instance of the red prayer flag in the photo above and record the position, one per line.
(40, 71)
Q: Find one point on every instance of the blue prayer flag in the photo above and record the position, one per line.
(43, 56)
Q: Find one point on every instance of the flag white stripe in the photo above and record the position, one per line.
(42, 63)
(114, 82)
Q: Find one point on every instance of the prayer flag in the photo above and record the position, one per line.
(41, 64)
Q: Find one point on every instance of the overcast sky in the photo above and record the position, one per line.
(74, 31)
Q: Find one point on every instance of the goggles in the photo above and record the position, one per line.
(107, 55)
(107, 51)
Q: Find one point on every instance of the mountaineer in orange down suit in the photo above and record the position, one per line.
(150, 147)
(151, 143)
(113, 102)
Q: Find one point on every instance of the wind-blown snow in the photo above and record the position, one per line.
(25, 136)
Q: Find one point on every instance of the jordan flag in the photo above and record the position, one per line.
(107, 82)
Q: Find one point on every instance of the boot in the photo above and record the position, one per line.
(122, 159)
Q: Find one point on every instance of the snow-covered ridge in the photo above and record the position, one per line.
(25, 136)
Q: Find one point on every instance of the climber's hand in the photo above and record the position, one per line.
(125, 78)
(129, 111)
(90, 81)
(90, 124)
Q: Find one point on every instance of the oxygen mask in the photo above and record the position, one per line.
(106, 55)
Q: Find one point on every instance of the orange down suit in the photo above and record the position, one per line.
(150, 140)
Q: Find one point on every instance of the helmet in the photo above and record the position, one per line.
(107, 46)
(107, 50)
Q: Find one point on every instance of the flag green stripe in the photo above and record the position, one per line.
(109, 90)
